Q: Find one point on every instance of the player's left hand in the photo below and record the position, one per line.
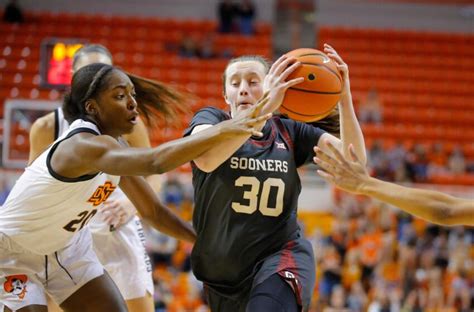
(341, 65)
(117, 212)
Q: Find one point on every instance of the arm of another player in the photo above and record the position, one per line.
(85, 153)
(352, 176)
(119, 211)
(153, 211)
(216, 155)
(351, 133)
(41, 136)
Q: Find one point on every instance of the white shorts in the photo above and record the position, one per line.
(25, 276)
(123, 255)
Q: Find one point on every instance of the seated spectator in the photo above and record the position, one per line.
(357, 298)
(13, 13)
(417, 163)
(457, 161)
(207, 47)
(227, 12)
(337, 303)
(370, 111)
(437, 160)
(188, 48)
(331, 271)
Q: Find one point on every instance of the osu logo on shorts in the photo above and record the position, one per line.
(16, 285)
(102, 193)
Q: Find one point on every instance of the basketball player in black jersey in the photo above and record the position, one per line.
(249, 250)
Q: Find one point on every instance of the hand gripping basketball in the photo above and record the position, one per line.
(275, 81)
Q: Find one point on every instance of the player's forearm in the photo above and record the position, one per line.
(351, 132)
(168, 223)
(172, 154)
(219, 153)
(430, 205)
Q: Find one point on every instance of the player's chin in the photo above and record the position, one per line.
(128, 129)
(242, 107)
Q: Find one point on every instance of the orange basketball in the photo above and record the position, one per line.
(319, 93)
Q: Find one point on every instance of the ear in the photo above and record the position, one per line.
(91, 107)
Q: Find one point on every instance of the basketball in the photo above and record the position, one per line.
(319, 93)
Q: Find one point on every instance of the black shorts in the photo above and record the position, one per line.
(293, 263)
(275, 294)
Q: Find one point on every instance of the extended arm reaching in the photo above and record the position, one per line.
(352, 176)
(85, 153)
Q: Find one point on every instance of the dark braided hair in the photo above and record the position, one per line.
(154, 99)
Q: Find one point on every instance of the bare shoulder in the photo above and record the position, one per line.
(41, 136)
(85, 147)
(87, 143)
(45, 123)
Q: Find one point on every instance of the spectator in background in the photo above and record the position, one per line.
(207, 47)
(227, 12)
(357, 298)
(331, 271)
(437, 160)
(246, 11)
(396, 159)
(13, 13)
(370, 111)
(417, 164)
(456, 161)
(188, 47)
(337, 302)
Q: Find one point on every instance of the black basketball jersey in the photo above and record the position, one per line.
(245, 210)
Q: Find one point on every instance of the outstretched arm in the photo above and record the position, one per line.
(153, 211)
(85, 153)
(117, 212)
(352, 176)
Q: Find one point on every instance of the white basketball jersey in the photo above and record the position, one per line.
(60, 123)
(44, 210)
(97, 225)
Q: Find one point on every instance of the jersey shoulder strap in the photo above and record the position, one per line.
(286, 135)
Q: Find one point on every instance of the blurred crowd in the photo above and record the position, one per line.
(416, 163)
(401, 162)
(379, 259)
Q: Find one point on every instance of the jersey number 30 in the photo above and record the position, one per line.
(260, 199)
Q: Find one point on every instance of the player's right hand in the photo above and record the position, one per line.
(275, 81)
(248, 121)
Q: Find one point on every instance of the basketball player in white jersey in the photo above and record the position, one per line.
(44, 243)
(117, 232)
